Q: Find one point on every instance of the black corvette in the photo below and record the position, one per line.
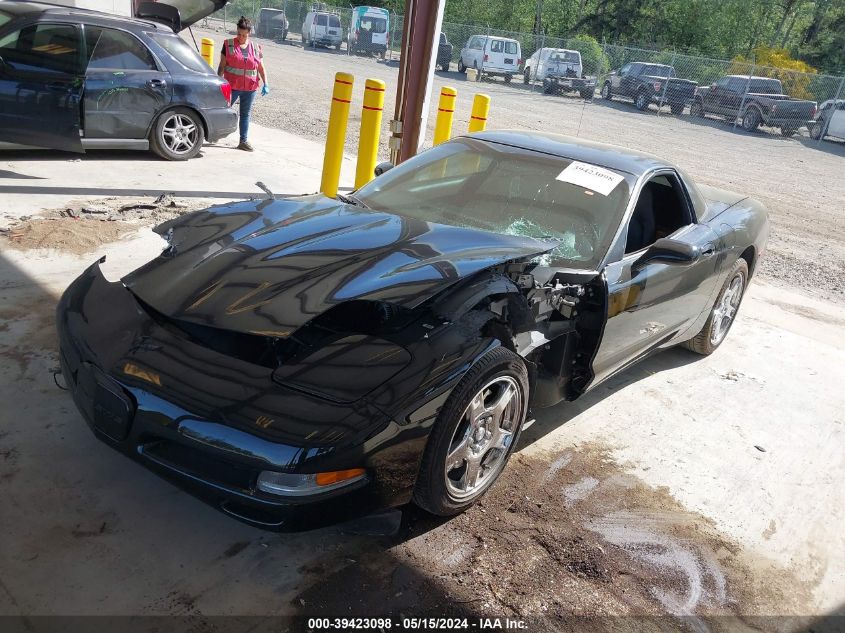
(300, 360)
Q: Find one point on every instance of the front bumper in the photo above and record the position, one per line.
(221, 122)
(108, 360)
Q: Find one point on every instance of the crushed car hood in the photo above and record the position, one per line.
(269, 267)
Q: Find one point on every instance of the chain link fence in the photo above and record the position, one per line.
(744, 95)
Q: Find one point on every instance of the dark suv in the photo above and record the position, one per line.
(73, 79)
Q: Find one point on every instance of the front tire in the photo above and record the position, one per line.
(474, 435)
(723, 313)
(587, 94)
(677, 108)
(788, 131)
(606, 93)
(526, 76)
(696, 109)
(816, 130)
(461, 67)
(641, 101)
(177, 134)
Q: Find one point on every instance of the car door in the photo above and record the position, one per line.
(651, 302)
(471, 51)
(731, 98)
(511, 55)
(125, 87)
(41, 85)
(618, 80)
(712, 98)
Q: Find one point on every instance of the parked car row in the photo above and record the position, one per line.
(368, 33)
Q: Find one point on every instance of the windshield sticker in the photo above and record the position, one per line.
(598, 179)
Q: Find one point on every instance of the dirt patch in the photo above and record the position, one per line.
(83, 225)
(559, 538)
(74, 236)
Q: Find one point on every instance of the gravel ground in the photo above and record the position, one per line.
(798, 179)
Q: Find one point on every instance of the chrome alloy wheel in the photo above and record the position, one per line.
(725, 310)
(179, 133)
(483, 438)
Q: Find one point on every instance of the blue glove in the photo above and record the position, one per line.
(265, 90)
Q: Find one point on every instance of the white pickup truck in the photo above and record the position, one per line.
(559, 69)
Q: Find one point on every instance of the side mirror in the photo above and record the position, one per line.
(383, 167)
(669, 251)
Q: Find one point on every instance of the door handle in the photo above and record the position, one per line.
(58, 86)
(156, 83)
(708, 251)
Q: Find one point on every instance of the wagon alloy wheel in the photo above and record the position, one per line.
(483, 437)
(726, 307)
(723, 313)
(474, 434)
(179, 133)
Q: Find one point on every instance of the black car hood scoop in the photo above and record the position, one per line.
(269, 267)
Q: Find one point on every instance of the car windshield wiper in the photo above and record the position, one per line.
(351, 200)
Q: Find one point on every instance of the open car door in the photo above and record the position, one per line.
(178, 14)
(41, 83)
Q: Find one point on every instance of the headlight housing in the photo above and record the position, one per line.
(303, 485)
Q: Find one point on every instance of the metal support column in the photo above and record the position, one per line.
(421, 31)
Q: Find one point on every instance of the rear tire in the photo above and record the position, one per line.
(723, 313)
(751, 120)
(586, 94)
(677, 108)
(472, 441)
(508, 78)
(177, 134)
(461, 67)
(696, 109)
(788, 131)
(526, 76)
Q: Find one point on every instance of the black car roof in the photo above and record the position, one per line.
(23, 9)
(611, 156)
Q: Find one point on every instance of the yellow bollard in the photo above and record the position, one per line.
(370, 131)
(480, 110)
(336, 133)
(445, 114)
(207, 48)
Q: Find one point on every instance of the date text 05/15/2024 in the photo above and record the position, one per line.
(416, 624)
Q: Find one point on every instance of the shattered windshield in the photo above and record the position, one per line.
(508, 190)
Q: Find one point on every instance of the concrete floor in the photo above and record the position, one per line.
(752, 439)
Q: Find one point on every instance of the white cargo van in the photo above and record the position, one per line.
(491, 55)
(369, 30)
(322, 28)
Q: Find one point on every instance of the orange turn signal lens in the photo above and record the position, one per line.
(327, 479)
